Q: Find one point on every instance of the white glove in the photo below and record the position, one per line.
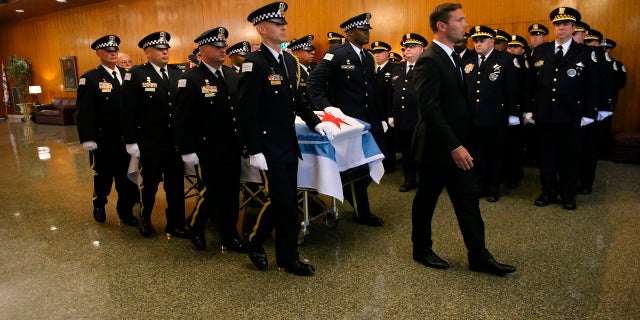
(603, 115)
(585, 121)
(335, 112)
(258, 161)
(190, 159)
(89, 145)
(325, 129)
(391, 122)
(133, 150)
(514, 121)
(528, 118)
(385, 126)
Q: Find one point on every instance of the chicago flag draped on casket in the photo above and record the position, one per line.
(323, 160)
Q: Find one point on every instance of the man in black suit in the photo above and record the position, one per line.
(100, 131)
(564, 87)
(149, 92)
(344, 83)
(269, 98)
(492, 80)
(442, 132)
(206, 134)
(403, 115)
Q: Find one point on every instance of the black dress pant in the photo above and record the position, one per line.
(409, 165)
(592, 135)
(164, 166)
(560, 150)
(110, 162)
(279, 212)
(221, 180)
(489, 147)
(513, 156)
(461, 187)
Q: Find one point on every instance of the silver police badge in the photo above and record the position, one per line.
(493, 76)
(572, 72)
(593, 56)
(615, 66)
(516, 63)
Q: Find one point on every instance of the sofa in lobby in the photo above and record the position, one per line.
(59, 111)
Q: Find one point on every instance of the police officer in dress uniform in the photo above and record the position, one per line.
(305, 52)
(501, 40)
(206, 134)
(620, 80)
(98, 112)
(404, 111)
(607, 90)
(460, 47)
(395, 57)
(149, 93)
(237, 54)
(580, 32)
(335, 39)
(381, 53)
(194, 58)
(344, 83)
(492, 90)
(537, 33)
(564, 84)
(514, 152)
(269, 98)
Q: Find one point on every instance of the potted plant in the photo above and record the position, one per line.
(20, 70)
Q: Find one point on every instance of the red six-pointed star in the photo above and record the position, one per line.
(325, 117)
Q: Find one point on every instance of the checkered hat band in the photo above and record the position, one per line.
(154, 43)
(301, 46)
(266, 16)
(234, 51)
(210, 40)
(106, 44)
(355, 24)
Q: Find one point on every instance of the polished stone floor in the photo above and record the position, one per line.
(56, 262)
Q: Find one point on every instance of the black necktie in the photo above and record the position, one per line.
(165, 78)
(113, 73)
(458, 62)
(377, 69)
(481, 60)
(410, 72)
(221, 78)
(559, 54)
(362, 56)
(283, 65)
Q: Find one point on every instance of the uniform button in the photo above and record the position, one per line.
(553, 100)
(231, 108)
(477, 100)
(554, 89)
(204, 138)
(402, 107)
(210, 102)
(107, 98)
(264, 132)
(555, 79)
(404, 89)
(402, 98)
(405, 80)
(477, 91)
(276, 92)
(366, 94)
(168, 93)
(478, 72)
(365, 82)
(349, 77)
(234, 119)
(478, 81)
(169, 104)
(556, 69)
(290, 86)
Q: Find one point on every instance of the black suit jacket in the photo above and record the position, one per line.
(148, 108)
(343, 81)
(268, 100)
(206, 115)
(404, 105)
(98, 107)
(444, 118)
(567, 92)
(492, 88)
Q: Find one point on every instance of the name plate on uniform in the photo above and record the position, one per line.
(105, 86)
(275, 79)
(209, 91)
(348, 67)
(149, 86)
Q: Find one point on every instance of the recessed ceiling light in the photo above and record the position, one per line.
(19, 10)
(61, 0)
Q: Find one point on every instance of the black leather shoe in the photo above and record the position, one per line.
(491, 266)
(493, 198)
(431, 260)
(130, 220)
(370, 220)
(198, 240)
(259, 258)
(545, 199)
(178, 232)
(569, 204)
(299, 268)
(235, 245)
(585, 190)
(407, 187)
(99, 214)
(145, 228)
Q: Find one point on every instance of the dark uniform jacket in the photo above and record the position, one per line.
(148, 107)
(608, 87)
(620, 76)
(304, 96)
(444, 117)
(492, 88)
(98, 107)
(567, 92)
(383, 90)
(268, 100)
(206, 114)
(404, 104)
(341, 80)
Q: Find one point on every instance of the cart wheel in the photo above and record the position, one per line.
(331, 220)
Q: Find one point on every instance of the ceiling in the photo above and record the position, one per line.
(33, 8)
